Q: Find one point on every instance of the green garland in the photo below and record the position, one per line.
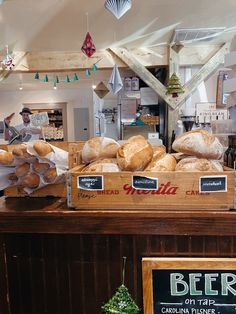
(121, 303)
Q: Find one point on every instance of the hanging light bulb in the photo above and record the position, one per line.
(36, 77)
(20, 86)
(54, 86)
(93, 86)
(76, 78)
(87, 72)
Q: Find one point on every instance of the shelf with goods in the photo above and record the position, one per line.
(53, 131)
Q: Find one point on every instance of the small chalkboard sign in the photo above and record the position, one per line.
(90, 183)
(210, 184)
(144, 183)
(189, 285)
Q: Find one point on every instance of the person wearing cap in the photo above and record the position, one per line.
(26, 129)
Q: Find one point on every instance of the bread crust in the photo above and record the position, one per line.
(199, 143)
(42, 148)
(198, 164)
(162, 162)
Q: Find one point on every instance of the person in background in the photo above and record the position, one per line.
(26, 131)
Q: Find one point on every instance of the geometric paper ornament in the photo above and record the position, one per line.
(46, 78)
(101, 90)
(115, 81)
(118, 7)
(95, 67)
(88, 47)
(36, 77)
(76, 77)
(87, 72)
(67, 79)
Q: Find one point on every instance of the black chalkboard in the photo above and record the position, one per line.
(213, 184)
(194, 291)
(144, 183)
(90, 182)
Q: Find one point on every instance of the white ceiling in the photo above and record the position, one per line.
(61, 25)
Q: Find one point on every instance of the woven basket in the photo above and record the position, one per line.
(150, 119)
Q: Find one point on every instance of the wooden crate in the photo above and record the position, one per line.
(56, 190)
(176, 190)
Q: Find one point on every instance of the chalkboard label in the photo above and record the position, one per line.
(194, 291)
(189, 285)
(144, 183)
(210, 184)
(92, 183)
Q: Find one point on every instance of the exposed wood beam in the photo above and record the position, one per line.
(210, 67)
(141, 71)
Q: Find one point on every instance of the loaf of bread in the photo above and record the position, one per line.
(23, 169)
(30, 180)
(134, 155)
(50, 175)
(40, 167)
(12, 177)
(99, 147)
(20, 151)
(42, 148)
(6, 158)
(103, 165)
(199, 143)
(162, 162)
(198, 164)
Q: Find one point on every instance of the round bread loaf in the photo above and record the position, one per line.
(50, 175)
(162, 162)
(30, 180)
(6, 158)
(103, 165)
(21, 170)
(40, 167)
(20, 150)
(42, 148)
(199, 143)
(99, 147)
(134, 155)
(198, 164)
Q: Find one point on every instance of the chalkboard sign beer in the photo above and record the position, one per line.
(190, 286)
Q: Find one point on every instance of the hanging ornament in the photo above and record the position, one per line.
(46, 79)
(36, 77)
(67, 79)
(76, 77)
(7, 62)
(87, 72)
(121, 302)
(101, 90)
(57, 79)
(115, 81)
(95, 67)
(88, 47)
(118, 7)
(174, 86)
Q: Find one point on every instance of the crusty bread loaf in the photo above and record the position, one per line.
(42, 148)
(134, 155)
(20, 151)
(30, 180)
(162, 162)
(40, 167)
(50, 175)
(103, 165)
(21, 170)
(99, 147)
(198, 164)
(6, 158)
(199, 143)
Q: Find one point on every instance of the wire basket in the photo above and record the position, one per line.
(150, 119)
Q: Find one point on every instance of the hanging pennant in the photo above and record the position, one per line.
(88, 47)
(115, 81)
(118, 7)
(101, 90)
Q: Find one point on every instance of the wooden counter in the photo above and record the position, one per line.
(55, 261)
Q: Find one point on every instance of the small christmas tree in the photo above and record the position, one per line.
(174, 86)
(121, 302)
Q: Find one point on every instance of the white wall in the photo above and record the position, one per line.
(75, 98)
